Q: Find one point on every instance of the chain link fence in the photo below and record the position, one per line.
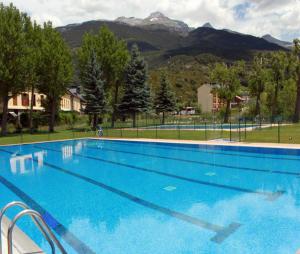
(174, 127)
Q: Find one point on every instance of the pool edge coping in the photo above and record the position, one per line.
(177, 141)
(211, 143)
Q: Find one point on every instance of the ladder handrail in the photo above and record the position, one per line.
(45, 228)
(24, 206)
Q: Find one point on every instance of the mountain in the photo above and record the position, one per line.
(157, 20)
(147, 39)
(208, 25)
(223, 44)
(161, 38)
(285, 44)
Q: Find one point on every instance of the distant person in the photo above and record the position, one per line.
(99, 131)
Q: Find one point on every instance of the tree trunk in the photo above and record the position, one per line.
(133, 119)
(297, 106)
(163, 118)
(95, 121)
(52, 116)
(257, 106)
(5, 99)
(115, 103)
(31, 109)
(227, 112)
(274, 103)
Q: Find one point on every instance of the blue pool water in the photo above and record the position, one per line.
(202, 126)
(120, 197)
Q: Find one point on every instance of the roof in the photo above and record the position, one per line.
(73, 92)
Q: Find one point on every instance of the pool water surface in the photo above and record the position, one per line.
(117, 197)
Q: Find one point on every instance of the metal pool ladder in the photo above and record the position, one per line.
(38, 221)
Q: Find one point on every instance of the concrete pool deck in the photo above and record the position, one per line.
(22, 244)
(215, 142)
(210, 142)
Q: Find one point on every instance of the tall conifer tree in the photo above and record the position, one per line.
(136, 97)
(93, 89)
(165, 98)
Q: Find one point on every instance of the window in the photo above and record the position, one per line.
(15, 100)
(25, 99)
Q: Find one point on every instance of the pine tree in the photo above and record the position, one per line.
(136, 97)
(165, 98)
(112, 55)
(93, 89)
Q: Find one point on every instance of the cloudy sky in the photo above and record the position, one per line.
(280, 18)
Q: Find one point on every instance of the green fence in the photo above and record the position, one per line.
(175, 127)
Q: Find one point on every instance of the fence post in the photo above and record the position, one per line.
(73, 134)
(239, 130)
(221, 130)
(21, 136)
(245, 129)
(146, 119)
(278, 132)
(156, 130)
(205, 131)
(230, 131)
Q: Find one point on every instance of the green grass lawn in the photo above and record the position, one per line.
(288, 134)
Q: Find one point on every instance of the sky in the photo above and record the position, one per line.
(280, 18)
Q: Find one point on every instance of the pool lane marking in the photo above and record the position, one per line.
(270, 196)
(221, 232)
(60, 229)
(202, 149)
(201, 162)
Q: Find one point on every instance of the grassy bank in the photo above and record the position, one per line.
(285, 134)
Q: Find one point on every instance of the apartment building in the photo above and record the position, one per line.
(71, 101)
(209, 100)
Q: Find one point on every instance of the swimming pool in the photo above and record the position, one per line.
(103, 196)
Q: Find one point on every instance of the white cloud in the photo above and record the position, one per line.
(257, 17)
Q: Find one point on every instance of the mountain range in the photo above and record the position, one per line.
(161, 38)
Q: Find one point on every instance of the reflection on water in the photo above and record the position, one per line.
(68, 150)
(23, 164)
(146, 234)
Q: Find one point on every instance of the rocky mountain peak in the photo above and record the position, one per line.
(157, 15)
(157, 20)
(208, 25)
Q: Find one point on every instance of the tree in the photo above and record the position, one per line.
(228, 83)
(113, 57)
(33, 61)
(279, 73)
(93, 89)
(12, 56)
(136, 92)
(165, 98)
(257, 79)
(56, 70)
(297, 63)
